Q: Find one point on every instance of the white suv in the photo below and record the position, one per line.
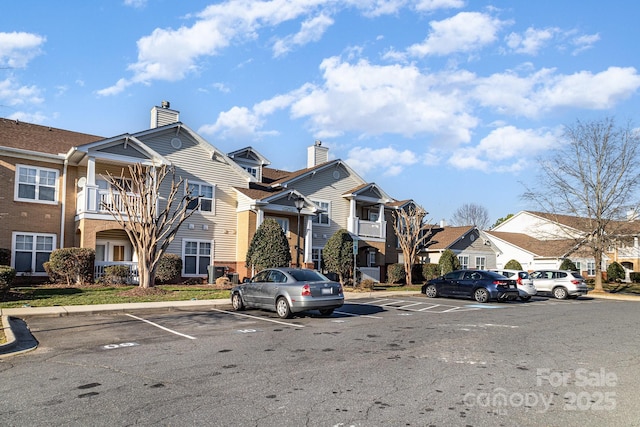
(561, 283)
(526, 289)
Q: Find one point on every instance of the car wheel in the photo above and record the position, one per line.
(526, 298)
(326, 311)
(236, 302)
(560, 293)
(282, 308)
(481, 295)
(431, 291)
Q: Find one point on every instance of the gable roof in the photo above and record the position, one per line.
(249, 155)
(540, 248)
(41, 139)
(444, 237)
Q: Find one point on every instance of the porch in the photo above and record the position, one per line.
(100, 266)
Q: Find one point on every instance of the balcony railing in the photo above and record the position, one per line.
(99, 270)
(96, 200)
(374, 229)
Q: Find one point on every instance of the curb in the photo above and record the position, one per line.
(8, 334)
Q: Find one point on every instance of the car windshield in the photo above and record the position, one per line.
(576, 275)
(307, 276)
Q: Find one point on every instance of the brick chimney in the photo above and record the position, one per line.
(163, 115)
(317, 154)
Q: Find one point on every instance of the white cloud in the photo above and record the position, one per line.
(13, 94)
(391, 161)
(545, 90)
(18, 48)
(464, 32)
(431, 5)
(310, 31)
(237, 123)
(138, 4)
(584, 42)
(531, 41)
(505, 149)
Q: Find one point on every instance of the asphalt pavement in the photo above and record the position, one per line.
(19, 339)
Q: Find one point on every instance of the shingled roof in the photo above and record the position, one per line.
(541, 248)
(42, 139)
(444, 237)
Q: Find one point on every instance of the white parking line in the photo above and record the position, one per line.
(161, 327)
(357, 315)
(257, 317)
(429, 308)
(410, 305)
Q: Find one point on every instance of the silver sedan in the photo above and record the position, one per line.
(287, 291)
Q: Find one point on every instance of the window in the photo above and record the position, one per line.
(322, 218)
(464, 261)
(253, 171)
(31, 251)
(578, 267)
(371, 261)
(197, 257)
(204, 194)
(35, 184)
(283, 222)
(591, 268)
(316, 257)
(481, 262)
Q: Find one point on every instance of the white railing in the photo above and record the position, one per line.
(99, 267)
(371, 229)
(95, 200)
(371, 273)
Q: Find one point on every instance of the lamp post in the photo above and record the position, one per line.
(299, 202)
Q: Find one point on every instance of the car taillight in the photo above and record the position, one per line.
(519, 280)
(306, 290)
(499, 283)
(576, 282)
(339, 288)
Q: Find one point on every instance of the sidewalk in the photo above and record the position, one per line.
(19, 339)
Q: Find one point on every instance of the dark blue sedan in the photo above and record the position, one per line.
(478, 284)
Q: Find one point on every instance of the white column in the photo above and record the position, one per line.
(260, 218)
(352, 221)
(91, 189)
(308, 240)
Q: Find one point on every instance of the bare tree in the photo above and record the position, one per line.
(150, 227)
(593, 176)
(471, 214)
(413, 232)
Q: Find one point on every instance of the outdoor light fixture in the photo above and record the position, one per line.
(299, 202)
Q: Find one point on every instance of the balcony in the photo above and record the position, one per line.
(370, 229)
(95, 200)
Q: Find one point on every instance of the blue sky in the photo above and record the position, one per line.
(445, 102)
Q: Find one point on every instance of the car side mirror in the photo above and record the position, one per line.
(246, 280)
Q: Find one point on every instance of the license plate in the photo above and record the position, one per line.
(327, 291)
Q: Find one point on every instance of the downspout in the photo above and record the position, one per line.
(63, 204)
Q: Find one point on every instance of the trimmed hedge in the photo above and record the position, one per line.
(75, 265)
(5, 256)
(7, 275)
(430, 271)
(169, 268)
(116, 274)
(395, 273)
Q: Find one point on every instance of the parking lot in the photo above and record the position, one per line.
(376, 361)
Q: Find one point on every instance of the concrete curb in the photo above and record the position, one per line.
(8, 334)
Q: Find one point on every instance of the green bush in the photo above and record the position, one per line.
(5, 256)
(416, 273)
(513, 264)
(634, 276)
(395, 273)
(269, 247)
(169, 268)
(615, 272)
(75, 265)
(567, 264)
(367, 284)
(338, 254)
(430, 271)
(53, 276)
(448, 262)
(116, 274)
(7, 275)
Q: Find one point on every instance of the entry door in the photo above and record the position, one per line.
(116, 250)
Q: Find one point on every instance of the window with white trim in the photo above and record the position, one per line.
(316, 257)
(35, 184)
(464, 261)
(481, 262)
(197, 257)
(252, 170)
(283, 223)
(203, 193)
(591, 268)
(31, 251)
(322, 218)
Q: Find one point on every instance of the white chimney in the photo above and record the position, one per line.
(317, 154)
(163, 115)
(443, 223)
